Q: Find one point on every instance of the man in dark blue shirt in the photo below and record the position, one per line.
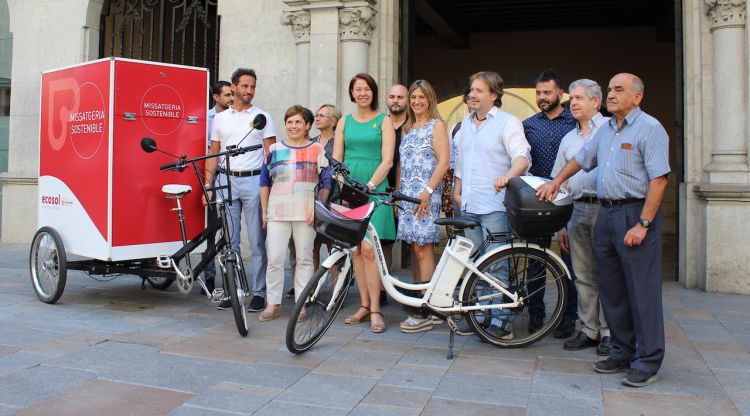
(544, 132)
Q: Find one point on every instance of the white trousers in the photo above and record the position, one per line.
(277, 242)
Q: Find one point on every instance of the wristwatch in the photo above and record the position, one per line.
(644, 222)
(428, 189)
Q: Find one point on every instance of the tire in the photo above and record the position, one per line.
(302, 335)
(48, 265)
(160, 283)
(516, 261)
(239, 308)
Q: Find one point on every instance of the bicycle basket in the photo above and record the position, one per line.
(345, 227)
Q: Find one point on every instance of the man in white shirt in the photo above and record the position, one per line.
(493, 149)
(233, 128)
(578, 238)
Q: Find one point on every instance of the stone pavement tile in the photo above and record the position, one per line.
(430, 357)
(409, 376)
(392, 347)
(4, 350)
(37, 383)
(327, 390)
(567, 385)
(744, 340)
(733, 347)
(627, 403)
(703, 333)
(541, 405)
(735, 383)
(20, 361)
(506, 391)
(727, 360)
(439, 339)
(492, 366)
(392, 333)
(284, 408)
(266, 375)
(197, 411)
(358, 363)
(565, 365)
(233, 399)
(673, 332)
(732, 317)
(67, 344)
(280, 356)
(685, 381)
(6, 410)
(105, 398)
(368, 409)
(448, 407)
(194, 324)
(683, 354)
(400, 397)
(218, 348)
(17, 335)
(105, 356)
(149, 336)
(737, 328)
(743, 406)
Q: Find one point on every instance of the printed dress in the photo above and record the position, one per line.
(418, 162)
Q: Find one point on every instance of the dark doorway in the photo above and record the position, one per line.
(184, 32)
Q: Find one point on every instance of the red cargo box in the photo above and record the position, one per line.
(97, 188)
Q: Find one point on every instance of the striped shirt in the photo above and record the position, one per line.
(628, 158)
(582, 183)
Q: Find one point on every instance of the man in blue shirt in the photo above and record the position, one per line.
(631, 154)
(544, 131)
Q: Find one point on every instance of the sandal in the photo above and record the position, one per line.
(412, 324)
(354, 319)
(375, 328)
(436, 320)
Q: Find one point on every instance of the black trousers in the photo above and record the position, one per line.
(630, 287)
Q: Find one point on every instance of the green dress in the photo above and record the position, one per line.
(362, 155)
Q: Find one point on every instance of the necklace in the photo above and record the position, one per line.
(476, 116)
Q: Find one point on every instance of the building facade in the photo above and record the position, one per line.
(305, 52)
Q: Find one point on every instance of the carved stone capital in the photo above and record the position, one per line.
(356, 24)
(300, 23)
(726, 13)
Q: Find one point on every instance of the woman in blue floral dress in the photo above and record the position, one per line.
(424, 158)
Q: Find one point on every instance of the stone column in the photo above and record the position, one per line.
(300, 24)
(356, 25)
(729, 154)
(324, 53)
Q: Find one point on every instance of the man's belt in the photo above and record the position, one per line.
(241, 173)
(609, 203)
(587, 200)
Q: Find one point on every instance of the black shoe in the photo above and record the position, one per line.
(610, 366)
(580, 342)
(383, 298)
(290, 294)
(499, 333)
(536, 322)
(604, 346)
(257, 304)
(638, 378)
(224, 304)
(565, 329)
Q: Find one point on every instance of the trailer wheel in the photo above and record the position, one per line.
(48, 264)
(160, 283)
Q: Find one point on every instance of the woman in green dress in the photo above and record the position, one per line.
(365, 141)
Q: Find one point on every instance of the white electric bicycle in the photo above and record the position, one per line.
(494, 285)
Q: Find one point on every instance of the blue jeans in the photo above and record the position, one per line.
(494, 222)
(246, 197)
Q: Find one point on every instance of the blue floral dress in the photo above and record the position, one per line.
(418, 162)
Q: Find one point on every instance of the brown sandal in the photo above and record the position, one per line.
(353, 319)
(377, 329)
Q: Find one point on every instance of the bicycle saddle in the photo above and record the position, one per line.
(459, 223)
(176, 191)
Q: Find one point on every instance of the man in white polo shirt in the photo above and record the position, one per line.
(230, 128)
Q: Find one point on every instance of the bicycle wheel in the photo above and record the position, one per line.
(236, 296)
(303, 333)
(48, 265)
(511, 266)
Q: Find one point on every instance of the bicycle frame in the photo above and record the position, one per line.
(390, 283)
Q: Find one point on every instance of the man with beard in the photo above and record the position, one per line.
(230, 128)
(544, 131)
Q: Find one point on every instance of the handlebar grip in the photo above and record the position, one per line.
(169, 166)
(398, 196)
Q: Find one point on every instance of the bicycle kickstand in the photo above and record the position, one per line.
(451, 340)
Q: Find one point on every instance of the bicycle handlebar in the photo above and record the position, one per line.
(393, 196)
(182, 163)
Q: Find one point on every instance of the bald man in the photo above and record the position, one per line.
(631, 152)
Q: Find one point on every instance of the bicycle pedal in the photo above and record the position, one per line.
(164, 262)
(217, 295)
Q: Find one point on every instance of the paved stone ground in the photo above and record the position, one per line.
(110, 348)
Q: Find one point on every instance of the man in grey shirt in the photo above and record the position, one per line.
(631, 152)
